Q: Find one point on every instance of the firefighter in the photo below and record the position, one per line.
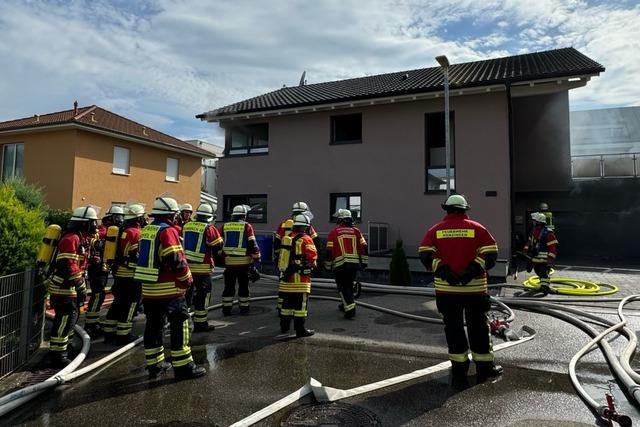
(284, 229)
(541, 249)
(164, 272)
(544, 209)
(297, 259)
(186, 210)
(346, 253)
(240, 252)
(202, 242)
(460, 252)
(97, 274)
(66, 286)
(126, 291)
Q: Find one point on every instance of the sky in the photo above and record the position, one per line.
(161, 62)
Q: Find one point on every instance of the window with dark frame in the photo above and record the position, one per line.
(257, 202)
(435, 152)
(12, 161)
(351, 201)
(346, 129)
(247, 139)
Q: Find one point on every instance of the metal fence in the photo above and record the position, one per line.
(605, 166)
(22, 300)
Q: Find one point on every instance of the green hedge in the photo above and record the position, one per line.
(399, 273)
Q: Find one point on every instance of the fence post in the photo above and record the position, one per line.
(27, 296)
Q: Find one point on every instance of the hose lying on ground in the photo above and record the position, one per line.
(570, 286)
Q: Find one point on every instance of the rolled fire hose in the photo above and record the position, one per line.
(574, 287)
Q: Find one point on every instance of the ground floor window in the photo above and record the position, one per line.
(12, 161)
(351, 201)
(256, 202)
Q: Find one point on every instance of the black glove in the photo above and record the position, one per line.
(473, 270)
(81, 297)
(529, 266)
(254, 275)
(445, 273)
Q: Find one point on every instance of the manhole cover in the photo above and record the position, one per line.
(331, 414)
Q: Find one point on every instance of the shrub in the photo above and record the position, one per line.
(399, 273)
(28, 194)
(57, 216)
(21, 231)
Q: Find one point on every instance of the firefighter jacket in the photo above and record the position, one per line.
(302, 260)
(542, 245)
(456, 242)
(201, 242)
(346, 246)
(285, 229)
(162, 266)
(240, 247)
(96, 251)
(70, 265)
(127, 252)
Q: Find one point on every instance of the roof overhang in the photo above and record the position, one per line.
(518, 89)
(65, 126)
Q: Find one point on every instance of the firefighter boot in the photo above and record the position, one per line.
(459, 379)
(350, 314)
(285, 324)
(59, 359)
(125, 339)
(109, 337)
(94, 330)
(486, 370)
(188, 371)
(158, 369)
(301, 330)
(202, 327)
(226, 311)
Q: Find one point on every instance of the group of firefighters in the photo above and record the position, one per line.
(167, 264)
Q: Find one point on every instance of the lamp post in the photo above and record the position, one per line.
(444, 63)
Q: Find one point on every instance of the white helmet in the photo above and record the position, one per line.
(115, 210)
(134, 210)
(456, 201)
(240, 210)
(299, 207)
(539, 217)
(206, 210)
(342, 214)
(544, 206)
(165, 206)
(301, 219)
(186, 207)
(85, 213)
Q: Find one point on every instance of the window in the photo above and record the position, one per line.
(249, 139)
(12, 161)
(346, 129)
(120, 160)
(172, 170)
(351, 201)
(435, 152)
(257, 202)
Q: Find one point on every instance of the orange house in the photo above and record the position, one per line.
(89, 155)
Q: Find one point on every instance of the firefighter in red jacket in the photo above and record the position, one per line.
(96, 272)
(164, 272)
(202, 242)
(541, 249)
(241, 253)
(126, 291)
(296, 262)
(66, 286)
(346, 254)
(460, 252)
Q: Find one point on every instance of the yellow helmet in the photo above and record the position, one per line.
(456, 201)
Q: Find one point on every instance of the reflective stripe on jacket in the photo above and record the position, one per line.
(304, 253)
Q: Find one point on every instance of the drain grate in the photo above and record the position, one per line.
(37, 377)
(330, 414)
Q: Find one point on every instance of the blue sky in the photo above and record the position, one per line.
(161, 62)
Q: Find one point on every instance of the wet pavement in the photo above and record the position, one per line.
(252, 365)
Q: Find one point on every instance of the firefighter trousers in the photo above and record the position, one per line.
(455, 309)
(66, 316)
(97, 283)
(158, 311)
(542, 271)
(345, 275)
(201, 295)
(126, 297)
(294, 306)
(231, 275)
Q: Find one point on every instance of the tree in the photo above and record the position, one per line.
(399, 273)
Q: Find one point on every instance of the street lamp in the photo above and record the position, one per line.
(444, 63)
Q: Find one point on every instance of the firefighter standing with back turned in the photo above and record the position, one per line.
(164, 272)
(460, 251)
(202, 242)
(240, 251)
(541, 249)
(296, 262)
(346, 254)
(66, 286)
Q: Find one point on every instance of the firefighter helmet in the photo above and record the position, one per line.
(299, 207)
(240, 210)
(456, 201)
(544, 206)
(301, 220)
(134, 210)
(539, 217)
(165, 206)
(85, 213)
(186, 207)
(343, 214)
(115, 210)
(205, 209)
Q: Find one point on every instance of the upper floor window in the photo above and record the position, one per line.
(256, 202)
(172, 170)
(346, 129)
(351, 201)
(12, 161)
(247, 139)
(120, 160)
(435, 152)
